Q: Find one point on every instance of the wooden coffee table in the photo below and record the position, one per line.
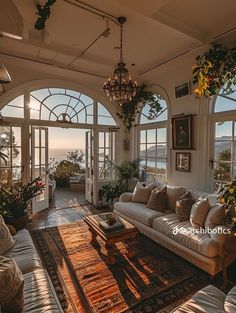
(126, 234)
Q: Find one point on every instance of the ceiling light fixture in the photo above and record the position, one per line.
(120, 87)
(5, 78)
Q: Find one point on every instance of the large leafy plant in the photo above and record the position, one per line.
(125, 173)
(130, 109)
(16, 197)
(214, 70)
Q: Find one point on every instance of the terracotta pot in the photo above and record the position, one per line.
(17, 222)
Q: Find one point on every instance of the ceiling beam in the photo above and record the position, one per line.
(179, 26)
(57, 49)
(142, 6)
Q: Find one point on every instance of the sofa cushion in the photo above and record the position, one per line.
(24, 252)
(137, 211)
(185, 234)
(215, 216)
(183, 206)
(142, 192)
(208, 300)
(158, 200)
(230, 301)
(6, 239)
(199, 213)
(173, 193)
(126, 197)
(39, 294)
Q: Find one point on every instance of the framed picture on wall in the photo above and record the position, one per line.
(183, 162)
(182, 132)
(182, 90)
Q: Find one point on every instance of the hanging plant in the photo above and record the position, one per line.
(43, 14)
(214, 70)
(130, 109)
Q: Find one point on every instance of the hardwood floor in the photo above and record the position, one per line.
(67, 207)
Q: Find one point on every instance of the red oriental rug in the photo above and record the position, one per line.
(151, 280)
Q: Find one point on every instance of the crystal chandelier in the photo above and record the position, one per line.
(120, 87)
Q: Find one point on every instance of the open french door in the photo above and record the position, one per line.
(39, 165)
(89, 184)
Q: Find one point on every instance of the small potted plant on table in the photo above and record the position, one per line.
(15, 200)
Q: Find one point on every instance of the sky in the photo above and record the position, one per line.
(66, 138)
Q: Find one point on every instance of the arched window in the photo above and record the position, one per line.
(55, 105)
(162, 116)
(61, 105)
(224, 140)
(152, 147)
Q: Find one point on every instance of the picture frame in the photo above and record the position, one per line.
(182, 132)
(182, 90)
(183, 161)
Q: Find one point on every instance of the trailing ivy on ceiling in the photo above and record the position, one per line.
(43, 14)
(130, 109)
(214, 70)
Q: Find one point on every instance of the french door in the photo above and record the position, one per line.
(39, 165)
(89, 171)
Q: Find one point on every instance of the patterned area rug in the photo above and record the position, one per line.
(151, 280)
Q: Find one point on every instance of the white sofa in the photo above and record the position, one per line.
(203, 250)
(210, 300)
(39, 294)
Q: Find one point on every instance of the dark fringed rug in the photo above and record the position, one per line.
(151, 280)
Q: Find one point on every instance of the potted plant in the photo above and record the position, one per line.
(214, 70)
(131, 108)
(109, 193)
(15, 200)
(127, 174)
(227, 197)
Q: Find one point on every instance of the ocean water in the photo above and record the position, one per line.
(153, 164)
(61, 154)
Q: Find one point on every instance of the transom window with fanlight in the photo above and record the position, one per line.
(224, 141)
(59, 105)
(152, 143)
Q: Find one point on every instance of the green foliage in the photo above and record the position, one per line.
(64, 169)
(125, 172)
(43, 14)
(76, 158)
(214, 70)
(228, 194)
(16, 197)
(109, 192)
(130, 109)
(222, 171)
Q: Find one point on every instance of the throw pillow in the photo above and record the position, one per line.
(6, 239)
(142, 192)
(183, 206)
(12, 229)
(173, 193)
(215, 216)
(11, 286)
(158, 200)
(199, 212)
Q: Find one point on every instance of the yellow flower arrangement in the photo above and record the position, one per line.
(227, 194)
